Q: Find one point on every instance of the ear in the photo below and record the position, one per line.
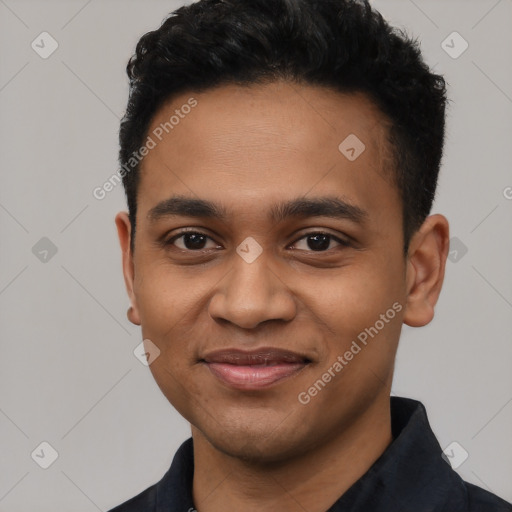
(124, 231)
(426, 264)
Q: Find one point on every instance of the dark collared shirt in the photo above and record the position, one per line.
(410, 476)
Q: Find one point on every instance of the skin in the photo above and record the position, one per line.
(247, 148)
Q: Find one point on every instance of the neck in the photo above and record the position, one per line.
(312, 481)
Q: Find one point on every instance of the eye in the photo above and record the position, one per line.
(191, 241)
(320, 241)
(197, 241)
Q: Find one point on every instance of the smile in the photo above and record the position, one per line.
(254, 370)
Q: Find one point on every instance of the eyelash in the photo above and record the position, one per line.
(170, 241)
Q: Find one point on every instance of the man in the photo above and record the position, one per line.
(280, 159)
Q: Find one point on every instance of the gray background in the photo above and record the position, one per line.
(68, 375)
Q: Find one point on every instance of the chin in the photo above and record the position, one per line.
(255, 452)
(258, 444)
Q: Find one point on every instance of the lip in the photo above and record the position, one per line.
(255, 369)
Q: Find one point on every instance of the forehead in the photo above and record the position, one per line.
(255, 144)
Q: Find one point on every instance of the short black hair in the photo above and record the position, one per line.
(344, 45)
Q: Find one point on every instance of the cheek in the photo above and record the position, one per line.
(166, 309)
(163, 294)
(179, 390)
(355, 298)
(173, 304)
(163, 305)
(362, 312)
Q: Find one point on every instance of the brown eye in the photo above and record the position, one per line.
(191, 241)
(320, 242)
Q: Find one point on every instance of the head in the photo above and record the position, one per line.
(309, 136)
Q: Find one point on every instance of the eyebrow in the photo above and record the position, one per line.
(330, 206)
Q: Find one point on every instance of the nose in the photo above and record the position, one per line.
(252, 293)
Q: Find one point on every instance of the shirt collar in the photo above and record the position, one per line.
(411, 471)
(411, 474)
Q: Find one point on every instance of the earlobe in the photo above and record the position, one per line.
(124, 233)
(426, 264)
(132, 316)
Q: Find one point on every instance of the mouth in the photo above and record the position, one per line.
(252, 370)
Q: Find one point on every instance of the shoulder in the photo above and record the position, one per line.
(175, 486)
(480, 500)
(143, 502)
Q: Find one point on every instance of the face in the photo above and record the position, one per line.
(298, 249)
